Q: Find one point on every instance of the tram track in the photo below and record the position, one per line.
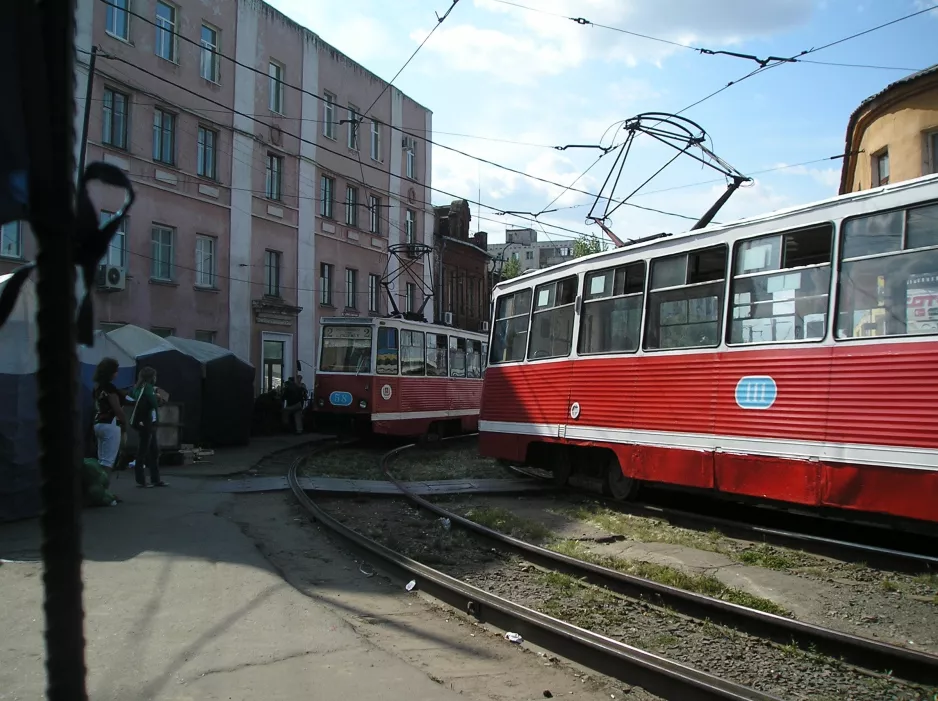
(596, 651)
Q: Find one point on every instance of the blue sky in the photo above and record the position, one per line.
(501, 72)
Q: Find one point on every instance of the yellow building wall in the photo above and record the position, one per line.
(902, 129)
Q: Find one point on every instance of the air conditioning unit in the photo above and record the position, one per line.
(111, 278)
(485, 327)
(448, 318)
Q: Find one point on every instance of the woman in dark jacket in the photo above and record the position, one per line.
(109, 419)
(144, 421)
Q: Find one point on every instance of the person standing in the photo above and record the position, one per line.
(143, 420)
(109, 419)
(293, 405)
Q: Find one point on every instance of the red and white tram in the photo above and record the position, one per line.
(400, 377)
(789, 357)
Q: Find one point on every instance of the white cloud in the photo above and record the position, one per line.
(828, 177)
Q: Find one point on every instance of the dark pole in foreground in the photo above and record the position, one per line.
(53, 219)
(84, 124)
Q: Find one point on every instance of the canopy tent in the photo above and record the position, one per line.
(19, 415)
(227, 392)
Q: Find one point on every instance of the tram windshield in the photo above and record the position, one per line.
(346, 349)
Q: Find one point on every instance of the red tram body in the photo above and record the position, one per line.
(398, 377)
(791, 357)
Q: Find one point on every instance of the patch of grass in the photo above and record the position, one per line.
(445, 464)
(663, 640)
(888, 585)
(663, 574)
(504, 521)
(929, 579)
(766, 556)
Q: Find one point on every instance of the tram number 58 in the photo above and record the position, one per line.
(756, 392)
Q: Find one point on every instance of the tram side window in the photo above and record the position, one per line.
(611, 319)
(436, 355)
(412, 353)
(474, 355)
(510, 335)
(457, 356)
(685, 300)
(889, 274)
(485, 356)
(781, 285)
(387, 351)
(552, 320)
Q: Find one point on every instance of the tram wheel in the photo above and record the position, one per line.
(616, 484)
(560, 467)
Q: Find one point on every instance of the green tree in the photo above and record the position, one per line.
(511, 268)
(587, 245)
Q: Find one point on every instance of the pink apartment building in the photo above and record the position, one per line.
(237, 127)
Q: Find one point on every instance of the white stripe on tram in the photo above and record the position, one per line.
(443, 414)
(853, 453)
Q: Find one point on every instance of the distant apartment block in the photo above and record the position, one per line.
(523, 246)
(244, 136)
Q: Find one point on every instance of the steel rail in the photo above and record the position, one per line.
(901, 662)
(654, 673)
(887, 558)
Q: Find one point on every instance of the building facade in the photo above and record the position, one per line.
(893, 135)
(523, 246)
(265, 197)
(463, 269)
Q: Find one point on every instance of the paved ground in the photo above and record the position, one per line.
(181, 604)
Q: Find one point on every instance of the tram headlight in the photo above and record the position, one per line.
(363, 404)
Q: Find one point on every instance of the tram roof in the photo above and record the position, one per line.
(767, 222)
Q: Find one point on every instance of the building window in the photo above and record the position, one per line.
(410, 297)
(410, 157)
(117, 19)
(114, 129)
(205, 261)
(374, 284)
(117, 248)
(166, 31)
(162, 331)
(351, 206)
(210, 64)
(351, 288)
(685, 300)
(881, 169)
(164, 136)
(374, 210)
(529, 255)
(352, 118)
(326, 196)
(205, 336)
(328, 116)
(11, 240)
(325, 284)
(274, 176)
(272, 363)
(375, 140)
(272, 273)
(161, 263)
(276, 73)
(206, 156)
(410, 226)
(933, 151)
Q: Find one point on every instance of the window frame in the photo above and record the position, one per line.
(395, 331)
(206, 279)
(213, 52)
(931, 146)
(326, 274)
(422, 345)
(328, 115)
(266, 376)
(108, 118)
(120, 231)
(437, 337)
(17, 226)
(160, 119)
(841, 237)
(352, 117)
(273, 182)
(156, 261)
(410, 297)
(598, 300)
(351, 288)
(547, 310)
(272, 275)
(410, 226)
(351, 206)
(276, 75)
(454, 347)
(375, 141)
(374, 295)
(211, 334)
(496, 319)
(326, 196)
(374, 207)
(110, 17)
(162, 30)
(729, 302)
(410, 158)
(650, 291)
(881, 156)
(207, 155)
